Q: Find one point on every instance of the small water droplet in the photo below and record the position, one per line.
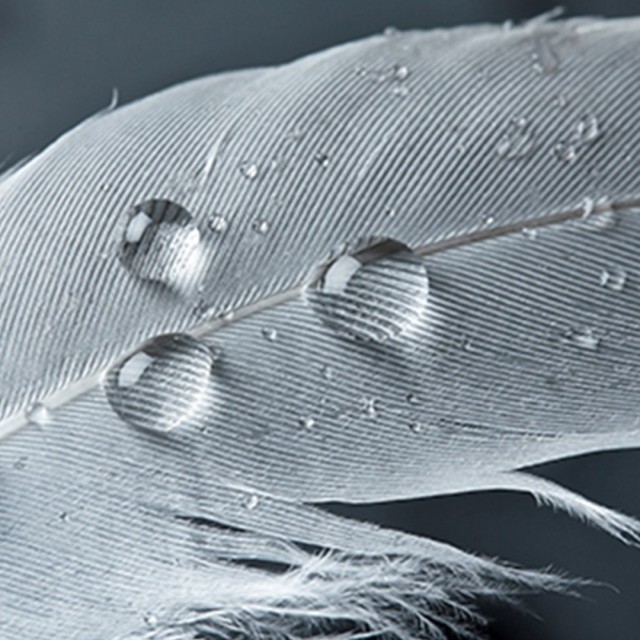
(390, 32)
(517, 141)
(413, 399)
(327, 372)
(613, 278)
(587, 207)
(488, 221)
(64, 516)
(580, 138)
(584, 338)
(369, 406)
(322, 160)
(261, 226)
(270, 334)
(162, 384)
(218, 223)
(151, 620)
(252, 502)
(306, 422)
(400, 72)
(160, 242)
(375, 294)
(38, 414)
(545, 59)
(529, 233)
(415, 426)
(249, 170)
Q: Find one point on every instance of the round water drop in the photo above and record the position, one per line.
(270, 334)
(218, 223)
(249, 170)
(38, 414)
(160, 386)
(160, 242)
(306, 422)
(375, 294)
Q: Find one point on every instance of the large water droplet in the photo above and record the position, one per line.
(517, 141)
(375, 294)
(163, 384)
(160, 242)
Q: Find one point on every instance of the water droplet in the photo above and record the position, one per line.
(306, 422)
(561, 101)
(151, 620)
(415, 426)
(613, 279)
(583, 134)
(160, 242)
(327, 372)
(517, 141)
(390, 32)
(261, 226)
(413, 399)
(400, 72)
(375, 294)
(370, 408)
(322, 159)
(587, 207)
(529, 233)
(545, 60)
(252, 502)
(218, 224)
(488, 221)
(38, 414)
(162, 384)
(249, 170)
(64, 516)
(583, 337)
(269, 334)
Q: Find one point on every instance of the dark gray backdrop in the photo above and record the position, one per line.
(60, 59)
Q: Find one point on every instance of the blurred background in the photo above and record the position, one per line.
(60, 61)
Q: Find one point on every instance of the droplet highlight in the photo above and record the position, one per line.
(373, 295)
(163, 384)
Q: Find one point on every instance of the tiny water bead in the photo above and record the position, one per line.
(583, 134)
(160, 242)
(375, 294)
(613, 278)
(162, 384)
(517, 141)
(38, 414)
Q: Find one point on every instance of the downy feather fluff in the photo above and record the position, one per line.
(489, 322)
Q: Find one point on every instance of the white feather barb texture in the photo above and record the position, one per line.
(406, 266)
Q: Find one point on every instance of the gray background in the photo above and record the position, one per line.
(60, 60)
